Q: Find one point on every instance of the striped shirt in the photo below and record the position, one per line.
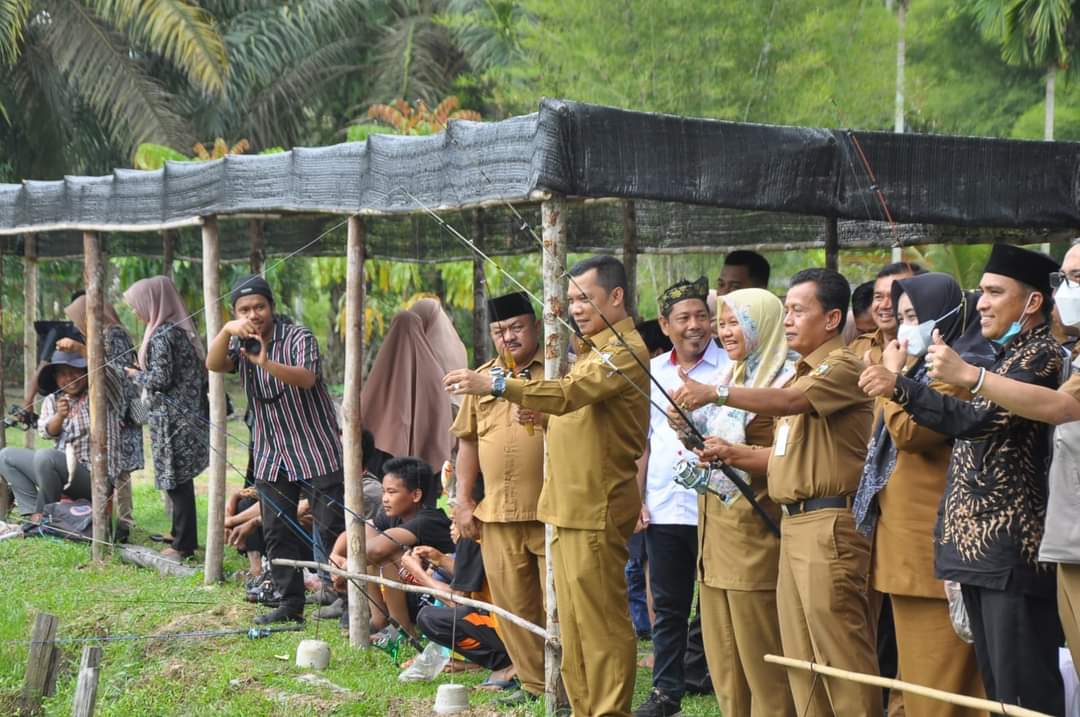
(294, 430)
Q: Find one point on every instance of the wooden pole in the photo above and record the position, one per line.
(555, 364)
(94, 256)
(3, 377)
(215, 512)
(86, 687)
(39, 662)
(998, 708)
(352, 430)
(630, 256)
(30, 305)
(479, 288)
(257, 236)
(168, 252)
(832, 245)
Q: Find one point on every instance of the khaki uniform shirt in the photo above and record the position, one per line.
(596, 432)
(511, 460)
(874, 342)
(736, 550)
(821, 453)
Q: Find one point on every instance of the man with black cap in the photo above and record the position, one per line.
(510, 456)
(990, 523)
(296, 446)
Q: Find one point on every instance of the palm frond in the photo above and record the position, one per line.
(183, 33)
(13, 17)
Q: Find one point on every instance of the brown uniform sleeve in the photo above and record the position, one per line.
(465, 424)
(833, 385)
(593, 380)
(906, 433)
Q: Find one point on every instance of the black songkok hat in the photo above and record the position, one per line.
(1030, 267)
(683, 290)
(250, 285)
(508, 306)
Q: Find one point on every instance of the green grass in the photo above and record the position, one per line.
(208, 676)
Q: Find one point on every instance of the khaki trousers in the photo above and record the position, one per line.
(740, 627)
(514, 562)
(1068, 601)
(599, 647)
(931, 654)
(824, 611)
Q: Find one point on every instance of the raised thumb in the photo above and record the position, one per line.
(868, 359)
(938, 341)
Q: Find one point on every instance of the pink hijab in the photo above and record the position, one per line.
(403, 401)
(76, 313)
(156, 301)
(443, 338)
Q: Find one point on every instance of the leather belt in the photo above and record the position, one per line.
(811, 504)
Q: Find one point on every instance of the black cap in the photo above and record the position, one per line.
(47, 376)
(251, 285)
(1030, 267)
(508, 306)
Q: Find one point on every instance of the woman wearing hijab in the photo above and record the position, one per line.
(404, 402)
(737, 570)
(443, 338)
(172, 373)
(120, 354)
(897, 502)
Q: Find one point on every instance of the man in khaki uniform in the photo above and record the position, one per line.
(597, 430)
(511, 459)
(814, 467)
(882, 310)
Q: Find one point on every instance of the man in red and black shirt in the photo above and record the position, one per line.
(296, 446)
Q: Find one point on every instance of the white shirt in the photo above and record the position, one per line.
(668, 502)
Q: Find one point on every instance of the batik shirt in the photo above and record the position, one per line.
(990, 521)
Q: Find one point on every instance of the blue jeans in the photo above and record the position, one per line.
(672, 551)
(635, 586)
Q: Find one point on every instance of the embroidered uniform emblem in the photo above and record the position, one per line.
(822, 369)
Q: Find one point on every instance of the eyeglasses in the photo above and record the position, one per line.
(1070, 279)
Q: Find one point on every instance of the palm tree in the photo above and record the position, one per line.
(1037, 33)
(77, 90)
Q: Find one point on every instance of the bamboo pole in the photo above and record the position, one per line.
(215, 512)
(95, 368)
(30, 304)
(419, 590)
(479, 287)
(832, 245)
(630, 256)
(555, 364)
(352, 430)
(998, 708)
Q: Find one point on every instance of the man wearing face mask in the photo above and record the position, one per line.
(990, 523)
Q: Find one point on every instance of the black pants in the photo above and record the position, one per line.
(184, 525)
(282, 534)
(473, 635)
(695, 667)
(672, 551)
(1016, 645)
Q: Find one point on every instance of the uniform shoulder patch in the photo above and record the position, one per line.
(822, 369)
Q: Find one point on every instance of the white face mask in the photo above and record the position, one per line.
(920, 336)
(1067, 298)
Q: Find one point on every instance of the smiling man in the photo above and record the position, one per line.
(295, 442)
(990, 524)
(599, 414)
(882, 312)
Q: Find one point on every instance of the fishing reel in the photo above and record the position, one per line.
(693, 475)
(20, 417)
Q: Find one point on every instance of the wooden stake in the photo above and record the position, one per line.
(5, 495)
(30, 304)
(258, 245)
(832, 245)
(38, 663)
(95, 368)
(215, 512)
(998, 708)
(479, 288)
(555, 364)
(86, 688)
(630, 256)
(352, 430)
(168, 252)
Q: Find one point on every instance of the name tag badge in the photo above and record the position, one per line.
(780, 440)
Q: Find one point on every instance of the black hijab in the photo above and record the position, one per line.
(932, 296)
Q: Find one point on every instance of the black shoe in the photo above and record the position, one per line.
(282, 613)
(659, 705)
(333, 611)
(322, 597)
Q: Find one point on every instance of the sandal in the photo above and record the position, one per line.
(491, 684)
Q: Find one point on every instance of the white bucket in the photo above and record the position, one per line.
(451, 699)
(313, 654)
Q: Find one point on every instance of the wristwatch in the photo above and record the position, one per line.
(721, 394)
(498, 382)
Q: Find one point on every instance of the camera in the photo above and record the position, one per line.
(251, 346)
(20, 417)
